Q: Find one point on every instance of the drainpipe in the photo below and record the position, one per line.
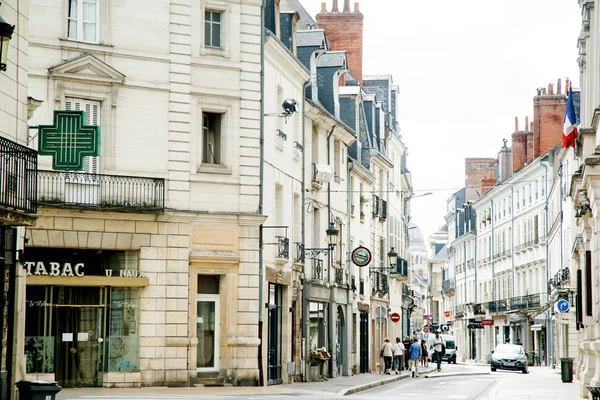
(492, 251)
(549, 333)
(512, 229)
(329, 197)
(261, 193)
(348, 348)
(303, 307)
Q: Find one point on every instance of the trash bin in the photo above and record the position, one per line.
(566, 370)
(37, 390)
(594, 391)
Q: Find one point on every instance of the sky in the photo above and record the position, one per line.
(466, 69)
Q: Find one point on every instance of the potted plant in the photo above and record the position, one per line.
(362, 216)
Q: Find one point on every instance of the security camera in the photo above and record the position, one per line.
(289, 107)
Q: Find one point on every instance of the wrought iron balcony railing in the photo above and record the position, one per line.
(18, 177)
(102, 191)
(283, 247)
(449, 284)
(341, 276)
(379, 283)
(318, 271)
(299, 256)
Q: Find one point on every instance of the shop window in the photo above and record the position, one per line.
(208, 284)
(317, 329)
(123, 339)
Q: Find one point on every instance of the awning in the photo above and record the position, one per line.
(537, 327)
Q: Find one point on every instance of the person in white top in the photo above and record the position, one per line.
(438, 348)
(387, 353)
(398, 355)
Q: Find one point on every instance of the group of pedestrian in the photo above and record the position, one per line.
(409, 353)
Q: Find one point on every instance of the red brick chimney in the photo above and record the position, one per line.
(476, 169)
(548, 119)
(488, 183)
(344, 30)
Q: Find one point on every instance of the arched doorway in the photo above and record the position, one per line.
(340, 345)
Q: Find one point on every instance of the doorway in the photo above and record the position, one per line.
(274, 336)
(340, 348)
(207, 329)
(364, 343)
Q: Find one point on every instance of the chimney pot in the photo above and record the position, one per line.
(323, 7)
(356, 7)
(559, 87)
(526, 123)
(531, 126)
(516, 124)
(346, 6)
(550, 88)
(335, 8)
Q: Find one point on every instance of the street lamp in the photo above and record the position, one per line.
(6, 31)
(332, 235)
(393, 258)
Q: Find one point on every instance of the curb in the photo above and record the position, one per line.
(367, 386)
(442, 375)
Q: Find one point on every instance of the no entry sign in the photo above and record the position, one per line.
(395, 317)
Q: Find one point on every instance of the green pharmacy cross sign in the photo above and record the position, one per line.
(69, 140)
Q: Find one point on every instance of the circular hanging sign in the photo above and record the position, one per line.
(425, 329)
(395, 317)
(361, 256)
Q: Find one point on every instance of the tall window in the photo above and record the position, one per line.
(92, 117)
(212, 28)
(83, 16)
(211, 138)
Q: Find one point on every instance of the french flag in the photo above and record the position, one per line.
(569, 128)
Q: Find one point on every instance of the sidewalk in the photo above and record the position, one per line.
(542, 383)
(340, 386)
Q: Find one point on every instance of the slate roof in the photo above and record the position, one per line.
(313, 37)
(305, 18)
(332, 59)
(441, 255)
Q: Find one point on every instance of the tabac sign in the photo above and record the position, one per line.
(69, 140)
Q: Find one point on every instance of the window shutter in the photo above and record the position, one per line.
(588, 283)
(579, 302)
(92, 117)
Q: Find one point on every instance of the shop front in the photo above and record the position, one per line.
(82, 315)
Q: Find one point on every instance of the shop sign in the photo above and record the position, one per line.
(54, 268)
(447, 314)
(72, 269)
(361, 256)
(487, 322)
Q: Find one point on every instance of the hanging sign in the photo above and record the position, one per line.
(361, 256)
(68, 140)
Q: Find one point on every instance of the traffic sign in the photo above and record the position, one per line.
(425, 329)
(426, 336)
(562, 305)
(395, 317)
(381, 311)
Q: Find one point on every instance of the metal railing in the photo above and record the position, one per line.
(379, 283)
(525, 302)
(460, 310)
(103, 191)
(283, 247)
(449, 284)
(18, 176)
(470, 262)
(340, 276)
(317, 269)
(299, 256)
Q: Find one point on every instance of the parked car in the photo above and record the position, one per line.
(509, 356)
(451, 349)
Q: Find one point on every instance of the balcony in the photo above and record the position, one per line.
(460, 310)
(318, 272)
(18, 179)
(379, 283)
(449, 286)
(401, 271)
(525, 302)
(341, 276)
(299, 256)
(282, 253)
(113, 192)
(498, 306)
(379, 208)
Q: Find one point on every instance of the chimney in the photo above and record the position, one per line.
(529, 151)
(559, 87)
(335, 6)
(519, 150)
(476, 169)
(548, 120)
(324, 8)
(344, 31)
(488, 183)
(504, 162)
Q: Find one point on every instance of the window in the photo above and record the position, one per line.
(211, 138)
(212, 28)
(82, 19)
(92, 117)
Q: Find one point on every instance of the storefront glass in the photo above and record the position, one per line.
(78, 332)
(317, 332)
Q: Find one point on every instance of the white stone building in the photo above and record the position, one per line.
(170, 207)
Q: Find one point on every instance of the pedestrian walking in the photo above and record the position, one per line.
(424, 354)
(407, 342)
(398, 355)
(438, 348)
(415, 356)
(387, 353)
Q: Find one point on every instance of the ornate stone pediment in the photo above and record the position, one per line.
(87, 68)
